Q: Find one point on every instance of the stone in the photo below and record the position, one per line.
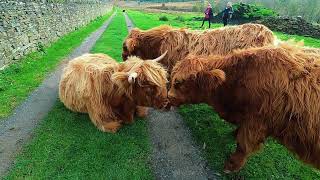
(24, 24)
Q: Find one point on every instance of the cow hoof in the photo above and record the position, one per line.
(129, 122)
(227, 171)
(231, 167)
(111, 127)
(142, 111)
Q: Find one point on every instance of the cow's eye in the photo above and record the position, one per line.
(150, 89)
(177, 85)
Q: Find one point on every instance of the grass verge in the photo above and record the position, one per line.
(145, 20)
(68, 146)
(111, 41)
(273, 162)
(19, 79)
(308, 41)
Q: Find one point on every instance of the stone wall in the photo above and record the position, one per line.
(26, 26)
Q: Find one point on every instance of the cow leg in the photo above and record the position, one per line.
(141, 111)
(125, 112)
(235, 132)
(128, 114)
(250, 136)
(227, 114)
(102, 118)
(105, 123)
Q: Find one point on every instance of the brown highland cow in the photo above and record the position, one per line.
(180, 42)
(109, 91)
(266, 91)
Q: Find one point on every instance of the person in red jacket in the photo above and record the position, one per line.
(208, 14)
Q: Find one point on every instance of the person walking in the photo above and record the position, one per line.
(208, 14)
(227, 13)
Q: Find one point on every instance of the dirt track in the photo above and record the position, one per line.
(174, 155)
(18, 128)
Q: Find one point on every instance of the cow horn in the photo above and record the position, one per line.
(132, 77)
(160, 57)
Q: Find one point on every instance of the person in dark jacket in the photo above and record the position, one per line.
(227, 14)
(208, 14)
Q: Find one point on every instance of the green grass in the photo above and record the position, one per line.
(111, 41)
(273, 162)
(19, 79)
(68, 146)
(308, 41)
(146, 21)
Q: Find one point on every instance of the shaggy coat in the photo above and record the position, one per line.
(180, 42)
(266, 91)
(109, 91)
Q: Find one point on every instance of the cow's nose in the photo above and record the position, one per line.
(164, 104)
(124, 56)
(168, 106)
(170, 94)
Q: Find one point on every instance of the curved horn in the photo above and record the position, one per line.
(160, 57)
(132, 77)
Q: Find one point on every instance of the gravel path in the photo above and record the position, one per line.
(18, 128)
(174, 155)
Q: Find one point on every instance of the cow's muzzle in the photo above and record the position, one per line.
(125, 56)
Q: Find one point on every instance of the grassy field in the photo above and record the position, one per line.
(308, 41)
(68, 146)
(152, 19)
(19, 79)
(273, 162)
(145, 21)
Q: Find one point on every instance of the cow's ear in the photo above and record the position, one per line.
(131, 44)
(135, 32)
(211, 79)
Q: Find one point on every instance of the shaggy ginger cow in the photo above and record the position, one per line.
(180, 42)
(266, 91)
(109, 91)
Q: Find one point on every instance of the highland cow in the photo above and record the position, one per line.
(109, 91)
(180, 42)
(265, 91)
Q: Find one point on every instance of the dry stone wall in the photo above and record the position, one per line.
(26, 26)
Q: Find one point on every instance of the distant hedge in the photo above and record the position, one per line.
(251, 11)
